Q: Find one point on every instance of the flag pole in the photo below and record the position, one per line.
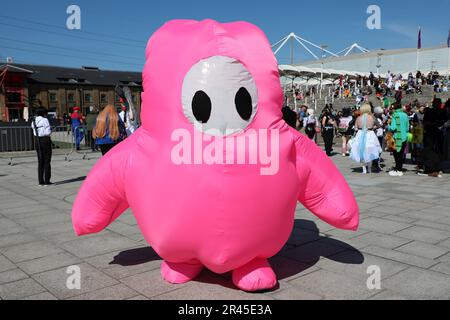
(417, 62)
(419, 45)
(448, 61)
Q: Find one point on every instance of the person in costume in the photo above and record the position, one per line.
(400, 128)
(365, 146)
(77, 121)
(201, 197)
(344, 129)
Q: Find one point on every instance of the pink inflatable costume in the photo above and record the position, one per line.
(214, 174)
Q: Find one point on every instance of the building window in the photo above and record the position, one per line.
(103, 98)
(88, 97)
(14, 115)
(71, 99)
(52, 97)
(13, 97)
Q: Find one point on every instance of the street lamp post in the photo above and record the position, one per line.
(322, 56)
(378, 63)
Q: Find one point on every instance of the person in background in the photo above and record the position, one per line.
(400, 128)
(127, 118)
(344, 129)
(302, 114)
(43, 144)
(289, 116)
(365, 147)
(91, 119)
(328, 125)
(77, 121)
(446, 129)
(67, 122)
(311, 124)
(379, 132)
(386, 102)
(417, 133)
(109, 129)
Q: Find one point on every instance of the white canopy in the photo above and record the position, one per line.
(308, 73)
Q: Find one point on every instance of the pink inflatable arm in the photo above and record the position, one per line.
(101, 198)
(324, 190)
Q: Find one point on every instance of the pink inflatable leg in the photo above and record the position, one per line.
(256, 275)
(179, 272)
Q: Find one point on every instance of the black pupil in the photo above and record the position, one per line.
(201, 106)
(243, 102)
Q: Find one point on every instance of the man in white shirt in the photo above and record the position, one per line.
(127, 120)
(43, 144)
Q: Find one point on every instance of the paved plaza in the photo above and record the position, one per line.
(404, 231)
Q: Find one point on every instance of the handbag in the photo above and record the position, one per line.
(391, 145)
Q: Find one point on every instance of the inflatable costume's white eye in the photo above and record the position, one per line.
(219, 96)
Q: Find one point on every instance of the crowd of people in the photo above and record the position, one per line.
(421, 131)
(360, 87)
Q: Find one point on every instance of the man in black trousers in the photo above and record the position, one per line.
(43, 144)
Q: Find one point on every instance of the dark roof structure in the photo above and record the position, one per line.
(84, 76)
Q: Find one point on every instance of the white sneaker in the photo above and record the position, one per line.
(394, 173)
(400, 173)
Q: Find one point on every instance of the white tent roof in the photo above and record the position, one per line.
(306, 72)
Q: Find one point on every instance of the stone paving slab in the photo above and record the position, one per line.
(404, 230)
(117, 292)
(12, 275)
(420, 284)
(29, 251)
(422, 249)
(424, 234)
(331, 285)
(20, 289)
(381, 240)
(55, 281)
(49, 262)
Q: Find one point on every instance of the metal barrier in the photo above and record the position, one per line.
(18, 142)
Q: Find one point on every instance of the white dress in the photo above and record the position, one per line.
(365, 146)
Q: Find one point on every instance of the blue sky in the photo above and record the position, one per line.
(35, 31)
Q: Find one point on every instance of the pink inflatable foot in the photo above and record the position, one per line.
(256, 275)
(179, 272)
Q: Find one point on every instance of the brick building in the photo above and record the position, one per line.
(59, 89)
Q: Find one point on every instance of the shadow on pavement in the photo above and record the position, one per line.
(70, 180)
(294, 259)
(291, 260)
(135, 257)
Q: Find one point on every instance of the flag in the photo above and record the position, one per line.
(419, 42)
